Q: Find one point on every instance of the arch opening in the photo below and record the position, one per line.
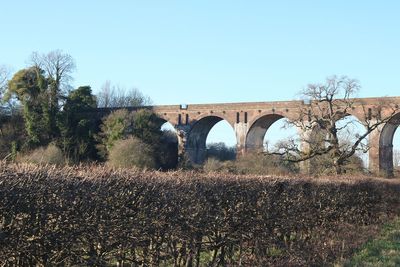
(388, 160)
(279, 134)
(267, 132)
(396, 153)
(169, 147)
(274, 135)
(197, 140)
(221, 142)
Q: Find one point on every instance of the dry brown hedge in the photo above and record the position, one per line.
(98, 216)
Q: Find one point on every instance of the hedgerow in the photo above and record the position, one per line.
(98, 216)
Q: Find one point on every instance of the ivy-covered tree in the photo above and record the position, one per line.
(77, 128)
(58, 67)
(29, 86)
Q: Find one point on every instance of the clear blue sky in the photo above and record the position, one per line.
(211, 51)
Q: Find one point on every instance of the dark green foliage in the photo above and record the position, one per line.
(95, 216)
(145, 125)
(77, 128)
(116, 126)
(29, 86)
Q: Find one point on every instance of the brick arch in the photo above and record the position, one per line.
(359, 114)
(386, 145)
(197, 136)
(224, 116)
(259, 127)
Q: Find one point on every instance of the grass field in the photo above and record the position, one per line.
(382, 251)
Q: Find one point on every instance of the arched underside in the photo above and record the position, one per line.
(196, 140)
(386, 145)
(257, 131)
(169, 147)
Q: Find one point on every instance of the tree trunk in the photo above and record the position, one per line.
(338, 168)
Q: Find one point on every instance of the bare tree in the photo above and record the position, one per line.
(8, 106)
(4, 76)
(58, 67)
(115, 96)
(324, 117)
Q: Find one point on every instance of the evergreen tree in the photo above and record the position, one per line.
(77, 128)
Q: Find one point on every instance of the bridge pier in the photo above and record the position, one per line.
(240, 129)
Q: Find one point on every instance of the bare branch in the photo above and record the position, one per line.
(116, 96)
(325, 117)
(58, 65)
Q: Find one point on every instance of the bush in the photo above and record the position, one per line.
(261, 164)
(215, 165)
(322, 165)
(95, 216)
(132, 152)
(44, 155)
(116, 126)
(252, 163)
(12, 135)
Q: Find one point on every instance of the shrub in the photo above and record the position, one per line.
(95, 216)
(144, 125)
(44, 155)
(12, 135)
(116, 126)
(215, 165)
(258, 163)
(251, 163)
(132, 152)
(322, 165)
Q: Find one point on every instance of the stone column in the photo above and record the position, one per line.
(374, 164)
(182, 133)
(305, 138)
(240, 132)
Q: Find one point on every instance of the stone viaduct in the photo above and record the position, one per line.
(251, 121)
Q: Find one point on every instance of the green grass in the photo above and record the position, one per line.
(382, 251)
